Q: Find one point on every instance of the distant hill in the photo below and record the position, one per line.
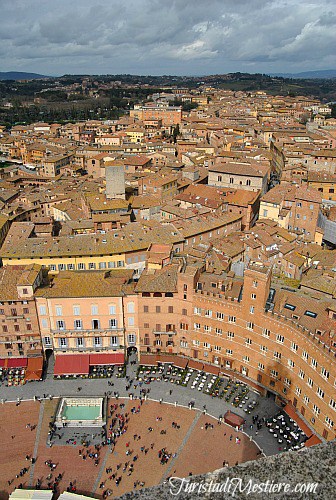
(18, 75)
(323, 73)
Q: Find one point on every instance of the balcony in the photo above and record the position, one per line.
(88, 348)
(91, 331)
(163, 332)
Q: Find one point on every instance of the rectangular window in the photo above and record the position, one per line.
(95, 324)
(316, 410)
(44, 323)
(325, 374)
(261, 367)
(301, 374)
(78, 324)
(320, 393)
(197, 326)
(58, 311)
(112, 310)
(131, 338)
(280, 339)
(157, 309)
(63, 342)
(266, 333)
(114, 340)
(80, 342)
(81, 266)
(198, 311)
(294, 347)
(291, 364)
(249, 325)
(131, 321)
(287, 381)
(208, 313)
(102, 265)
(76, 310)
(313, 363)
(97, 342)
(43, 310)
(230, 335)
(277, 355)
(47, 341)
(305, 355)
(113, 323)
(94, 310)
(310, 382)
(263, 349)
(60, 325)
(297, 391)
(329, 422)
(232, 319)
(130, 307)
(219, 331)
(220, 315)
(248, 341)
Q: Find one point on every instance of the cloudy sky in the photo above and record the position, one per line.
(181, 37)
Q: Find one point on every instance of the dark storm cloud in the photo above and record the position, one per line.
(153, 36)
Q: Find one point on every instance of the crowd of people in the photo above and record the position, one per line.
(117, 425)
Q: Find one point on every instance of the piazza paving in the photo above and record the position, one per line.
(190, 447)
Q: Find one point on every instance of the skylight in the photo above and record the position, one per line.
(290, 307)
(311, 314)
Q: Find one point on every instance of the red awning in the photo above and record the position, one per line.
(166, 358)
(312, 441)
(148, 359)
(211, 369)
(2, 363)
(289, 409)
(180, 362)
(15, 363)
(72, 364)
(34, 368)
(115, 358)
(195, 365)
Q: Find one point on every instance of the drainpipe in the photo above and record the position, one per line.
(124, 326)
